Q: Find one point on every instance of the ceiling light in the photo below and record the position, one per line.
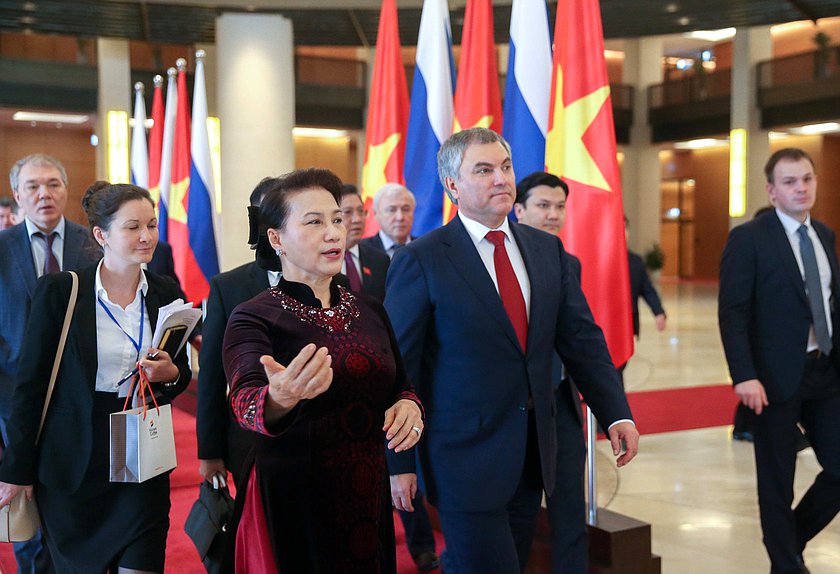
(710, 35)
(684, 21)
(49, 117)
(702, 143)
(29, 6)
(813, 129)
(318, 133)
(671, 8)
(773, 135)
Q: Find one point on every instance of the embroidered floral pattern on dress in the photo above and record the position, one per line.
(336, 318)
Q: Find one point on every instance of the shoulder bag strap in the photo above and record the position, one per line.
(68, 317)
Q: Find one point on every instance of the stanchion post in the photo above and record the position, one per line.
(591, 437)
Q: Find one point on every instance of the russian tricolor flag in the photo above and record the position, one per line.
(528, 87)
(201, 201)
(431, 115)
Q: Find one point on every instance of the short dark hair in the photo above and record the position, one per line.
(7, 201)
(103, 199)
(274, 209)
(259, 192)
(529, 182)
(349, 189)
(789, 154)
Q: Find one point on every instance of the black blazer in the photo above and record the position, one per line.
(215, 427)
(375, 263)
(640, 286)
(375, 242)
(763, 310)
(163, 263)
(63, 454)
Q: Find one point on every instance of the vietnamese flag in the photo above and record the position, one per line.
(477, 99)
(387, 118)
(580, 148)
(156, 142)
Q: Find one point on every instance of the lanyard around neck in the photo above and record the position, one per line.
(138, 344)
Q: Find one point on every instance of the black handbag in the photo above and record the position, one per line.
(207, 525)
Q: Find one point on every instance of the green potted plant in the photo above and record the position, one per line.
(654, 260)
(822, 56)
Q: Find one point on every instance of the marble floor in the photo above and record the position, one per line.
(697, 488)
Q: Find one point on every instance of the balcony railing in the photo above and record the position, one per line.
(800, 68)
(694, 89)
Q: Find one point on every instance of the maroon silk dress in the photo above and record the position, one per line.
(320, 472)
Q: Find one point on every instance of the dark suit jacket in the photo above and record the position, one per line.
(163, 263)
(218, 434)
(61, 458)
(17, 285)
(763, 310)
(462, 354)
(640, 286)
(375, 263)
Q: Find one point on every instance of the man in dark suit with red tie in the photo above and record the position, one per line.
(366, 267)
(44, 242)
(777, 308)
(478, 307)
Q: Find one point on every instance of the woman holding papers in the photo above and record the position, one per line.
(91, 524)
(316, 372)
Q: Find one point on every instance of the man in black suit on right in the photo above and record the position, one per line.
(779, 324)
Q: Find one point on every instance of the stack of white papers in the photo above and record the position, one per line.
(175, 322)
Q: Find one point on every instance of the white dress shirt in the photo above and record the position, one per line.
(478, 232)
(39, 244)
(388, 244)
(791, 226)
(116, 355)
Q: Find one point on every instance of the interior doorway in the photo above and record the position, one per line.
(677, 227)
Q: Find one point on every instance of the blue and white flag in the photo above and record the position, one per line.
(166, 154)
(528, 86)
(201, 202)
(139, 147)
(431, 115)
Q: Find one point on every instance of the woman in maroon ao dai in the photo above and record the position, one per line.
(315, 371)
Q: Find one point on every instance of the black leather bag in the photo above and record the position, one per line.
(207, 525)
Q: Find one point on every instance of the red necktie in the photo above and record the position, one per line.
(509, 288)
(50, 262)
(352, 273)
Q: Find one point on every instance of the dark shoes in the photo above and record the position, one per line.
(427, 561)
(745, 436)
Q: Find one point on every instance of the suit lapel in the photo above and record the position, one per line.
(259, 280)
(468, 264)
(73, 246)
(22, 253)
(781, 245)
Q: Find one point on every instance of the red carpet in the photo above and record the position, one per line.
(655, 412)
(688, 408)
(181, 556)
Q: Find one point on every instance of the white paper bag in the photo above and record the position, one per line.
(142, 447)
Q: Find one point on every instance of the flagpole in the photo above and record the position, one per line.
(591, 438)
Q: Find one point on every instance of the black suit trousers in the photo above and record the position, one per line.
(816, 405)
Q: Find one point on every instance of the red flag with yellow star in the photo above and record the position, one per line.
(387, 119)
(580, 148)
(477, 99)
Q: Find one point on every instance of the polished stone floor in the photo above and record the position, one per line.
(697, 488)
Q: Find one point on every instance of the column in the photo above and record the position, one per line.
(750, 45)
(114, 94)
(256, 106)
(641, 171)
